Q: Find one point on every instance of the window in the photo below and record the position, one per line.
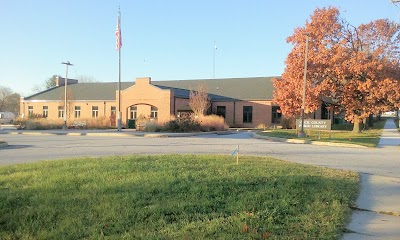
(324, 111)
(247, 114)
(95, 111)
(77, 111)
(133, 112)
(154, 112)
(60, 111)
(30, 110)
(221, 111)
(276, 114)
(113, 110)
(45, 111)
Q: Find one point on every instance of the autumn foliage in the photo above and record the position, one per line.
(357, 68)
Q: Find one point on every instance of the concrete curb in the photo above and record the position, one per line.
(3, 144)
(116, 134)
(304, 141)
(100, 134)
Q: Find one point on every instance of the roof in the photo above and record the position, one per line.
(82, 91)
(228, 89)
(255, 88)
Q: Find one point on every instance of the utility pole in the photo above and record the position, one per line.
(302, 133)
(65, 93)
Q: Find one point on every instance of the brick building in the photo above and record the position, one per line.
(243, 102)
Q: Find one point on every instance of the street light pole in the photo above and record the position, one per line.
(65, 93)
(302, 133)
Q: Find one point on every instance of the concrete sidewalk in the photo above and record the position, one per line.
(377, 213)
(390, 135)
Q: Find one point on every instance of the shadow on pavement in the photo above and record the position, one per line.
(16, 147)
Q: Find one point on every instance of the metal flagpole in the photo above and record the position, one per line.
(119, 45)
(119, 90)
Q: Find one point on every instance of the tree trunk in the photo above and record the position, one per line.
(356, 121)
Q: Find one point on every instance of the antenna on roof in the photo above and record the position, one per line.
(215, 51)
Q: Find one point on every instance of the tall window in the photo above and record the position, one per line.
(221, 111)
(30, 110)
(247, 114)
(154, 112)
(276, 115)
(113, 110)
(77, 111)
(133, 113)
(324, 111)
(95, 111)
(60, 111)
(45, 111)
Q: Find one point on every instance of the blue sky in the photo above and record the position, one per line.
(162, 39)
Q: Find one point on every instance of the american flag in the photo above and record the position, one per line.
(118, 34)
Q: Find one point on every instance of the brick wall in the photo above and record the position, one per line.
(104, 108)
(143, 95)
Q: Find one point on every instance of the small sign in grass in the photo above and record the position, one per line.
(369, 137)
(174, 197)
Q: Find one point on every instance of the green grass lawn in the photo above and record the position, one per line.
(369, 137)
(174, 197)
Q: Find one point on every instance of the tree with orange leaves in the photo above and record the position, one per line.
(357, 67)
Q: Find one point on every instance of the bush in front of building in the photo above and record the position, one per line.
(262, 126)
(212, 123)
(35, 116)
(153, 127)
(98, 123)
(41, 124)
(288, 123)
(182, 125)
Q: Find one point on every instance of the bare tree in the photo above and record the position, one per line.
(199, 101)
(86, 79)
(9, 100)
(49, 83)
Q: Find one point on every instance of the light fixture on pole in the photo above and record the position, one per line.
(65, 93)
(302, 134)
